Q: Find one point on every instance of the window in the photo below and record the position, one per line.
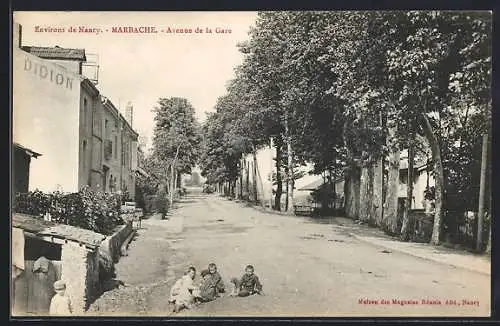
(84, 153)
(85, 109)
(106, 129)
(116, 147)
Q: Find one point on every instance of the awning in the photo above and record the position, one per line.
(27, 150)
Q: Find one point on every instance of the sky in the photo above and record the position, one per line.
(141, 68)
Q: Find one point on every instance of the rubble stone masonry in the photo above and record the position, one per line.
(81, 273)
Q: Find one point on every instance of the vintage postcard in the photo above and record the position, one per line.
(249, 164)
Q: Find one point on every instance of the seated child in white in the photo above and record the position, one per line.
(184, 292)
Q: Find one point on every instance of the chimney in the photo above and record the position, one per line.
(17, 37)
(129, 113)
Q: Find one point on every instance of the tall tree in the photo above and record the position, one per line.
(176, 138)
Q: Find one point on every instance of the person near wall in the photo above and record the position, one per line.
(44, 276)
(60, 305)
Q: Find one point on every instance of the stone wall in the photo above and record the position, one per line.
(74, 272)
(93, 286)
(110, 247)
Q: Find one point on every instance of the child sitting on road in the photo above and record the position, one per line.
(248, 284)
(184, 292)
(212, 284)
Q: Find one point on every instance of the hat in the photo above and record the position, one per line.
(59, 285)
(204, 272)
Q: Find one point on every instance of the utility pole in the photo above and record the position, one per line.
(271, 162)
(482, 193)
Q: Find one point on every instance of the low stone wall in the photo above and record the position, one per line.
(110, 247)
(80, 275)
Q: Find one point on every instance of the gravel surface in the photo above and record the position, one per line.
(307, 269)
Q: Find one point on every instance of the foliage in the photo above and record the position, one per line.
(87, 209)
(161, 202)
(195, 180)
(355, 86)
(176, 130)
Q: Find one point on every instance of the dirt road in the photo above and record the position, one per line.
(307, 268)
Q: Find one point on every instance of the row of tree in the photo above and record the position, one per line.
(347, 91)
(175, 150)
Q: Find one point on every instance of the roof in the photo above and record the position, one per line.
(41, 227)
(56, 53)
(313, 185)
(403, 165)
(30, 223)
(27, 150)
(318, 183)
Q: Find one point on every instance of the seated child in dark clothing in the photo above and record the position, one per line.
(211, 284)
(248, 284)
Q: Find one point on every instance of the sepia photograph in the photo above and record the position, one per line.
(251, 164)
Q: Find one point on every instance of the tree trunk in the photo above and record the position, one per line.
(366, 192)
(438, 175)
(286, 188)
(233, 190)
(290, 178)
(378, 192)
(254, 172)
(172, 169)
(172, 184)
(482, 193)
(352, 192)
(179, 180)
(390, 220)
(406, 229)
(279, 181)
(270, 175)
(247, 183)
(333, 190)
(240, 192)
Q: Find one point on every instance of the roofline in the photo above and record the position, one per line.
(117, 114)
(87, 84)
(28, 151)
(134, 133)
(84, 59)
(110, 106)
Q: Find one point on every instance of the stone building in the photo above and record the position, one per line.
(43, 252)
(62, 114)
(119, 163)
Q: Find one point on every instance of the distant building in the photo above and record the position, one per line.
(21, 168)
(422, 179)
(84, 138)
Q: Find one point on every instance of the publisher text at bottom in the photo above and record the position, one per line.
(415, 302)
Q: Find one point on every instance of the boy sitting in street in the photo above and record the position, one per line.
(248, 284)
(212, 284)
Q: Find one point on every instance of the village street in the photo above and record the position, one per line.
(307, 268)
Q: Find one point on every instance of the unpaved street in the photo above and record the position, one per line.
(307, 268)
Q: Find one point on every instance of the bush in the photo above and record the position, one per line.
(162, 203)
(149, 204)
(87, 209)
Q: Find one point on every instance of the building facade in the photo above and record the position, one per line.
(84, 139)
